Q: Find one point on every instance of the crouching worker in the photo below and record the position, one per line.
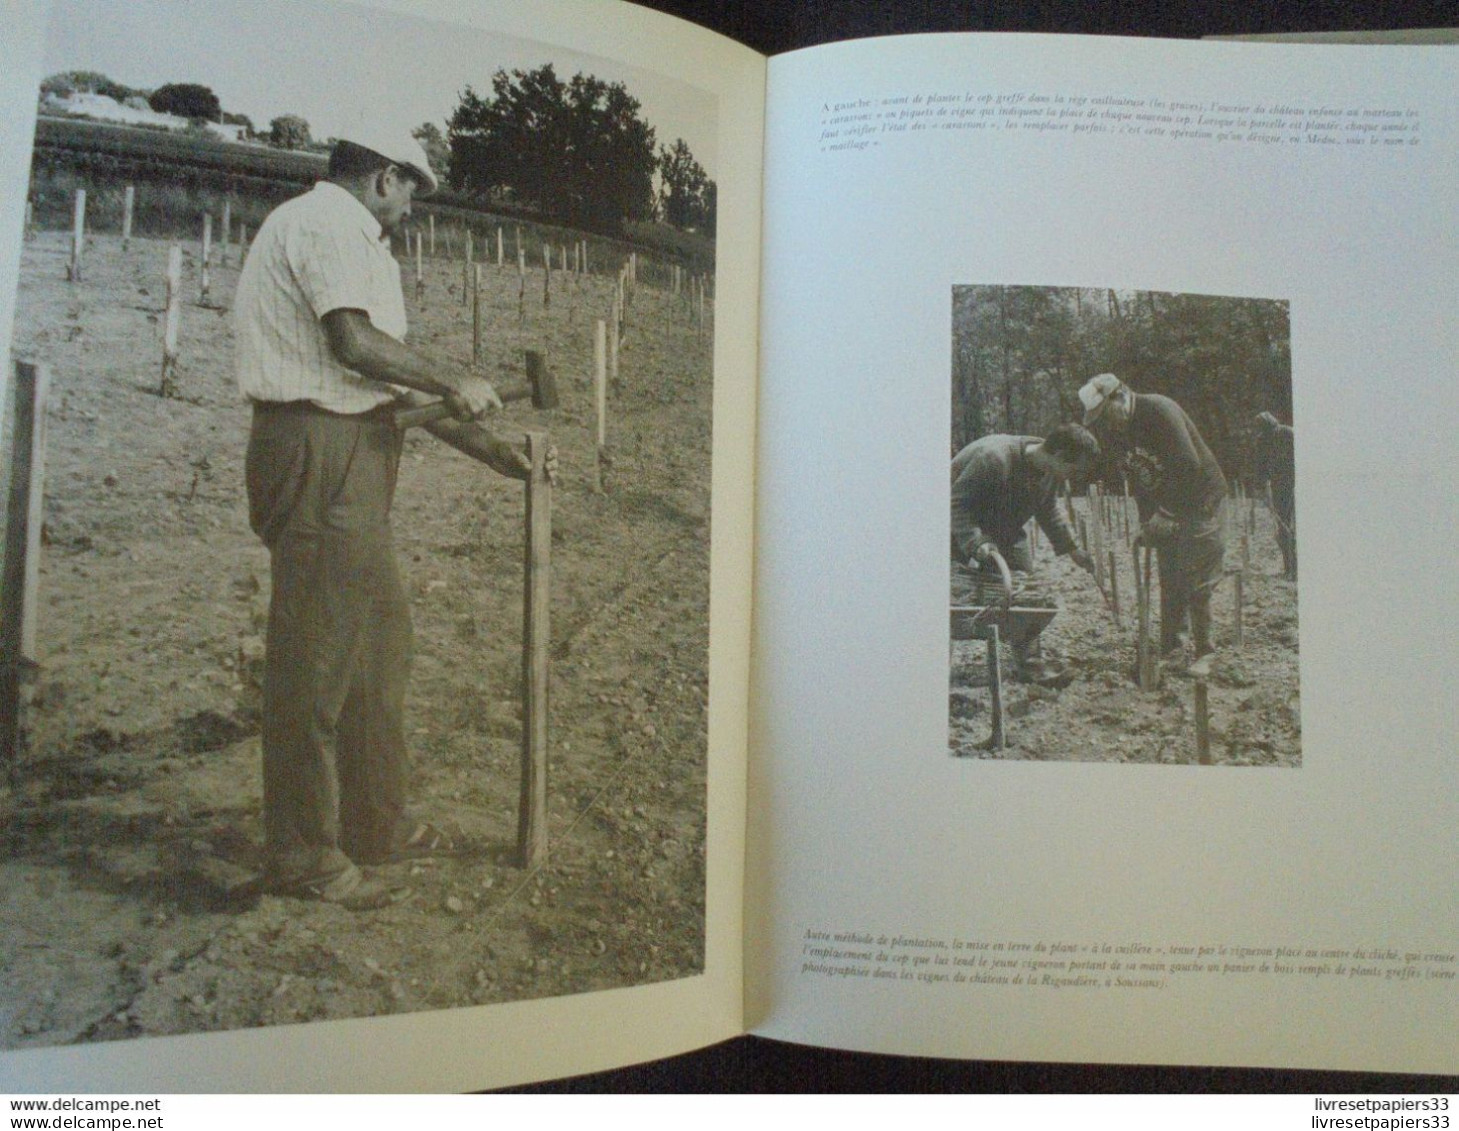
(998, 484)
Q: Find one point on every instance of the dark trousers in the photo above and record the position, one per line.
(338, 650)
(1284, 511)
(1190, 567)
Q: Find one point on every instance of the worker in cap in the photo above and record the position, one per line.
(1178, 487)
(1276, 476)
(320, 355)
(1103, 393)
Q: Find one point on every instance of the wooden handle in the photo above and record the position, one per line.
(422, 414)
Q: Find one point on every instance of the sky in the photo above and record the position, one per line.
(336, 63)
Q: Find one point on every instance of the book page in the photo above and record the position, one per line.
(1250, 860)
(139, 953)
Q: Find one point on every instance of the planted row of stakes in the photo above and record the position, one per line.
(1107, 528)
(419, 241)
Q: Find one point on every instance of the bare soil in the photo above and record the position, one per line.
(132, 819)
(1101, 715)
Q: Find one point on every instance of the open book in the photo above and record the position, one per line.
(918, 241)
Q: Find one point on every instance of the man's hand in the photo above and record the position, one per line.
(1158, 530)
(472, 397)
(511, 459)
(1082, 559)
(983, 551)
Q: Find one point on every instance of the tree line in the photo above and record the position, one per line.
(574, 151)
(1020, 354)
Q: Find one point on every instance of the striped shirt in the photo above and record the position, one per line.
(316, 253)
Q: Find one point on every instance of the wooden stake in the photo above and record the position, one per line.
(1144, 651)
(420, 278)
(1141, 624)
(536, 659)
(431, 221)
(1096, 516)
(1240, 630)
(476, 315)
(227, 232)
(24, 515)
(1203, 724)
(78, 237)
(207, 258)
(499, 259)
(613, 344)
(546, 276)
(466, 272)
(172, 319)
(129, 200)
(1114, 589)
(521, 285)
(600, 395)
(998, 740)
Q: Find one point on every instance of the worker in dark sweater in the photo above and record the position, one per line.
(1178, 488)
(998, 484)
(1276, 475)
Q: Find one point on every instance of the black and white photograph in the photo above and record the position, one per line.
(357, 484)
(1123, 528)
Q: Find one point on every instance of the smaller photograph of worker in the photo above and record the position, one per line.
(1123, 528)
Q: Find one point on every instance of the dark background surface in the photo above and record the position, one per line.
(773, 26)
(750, 1064)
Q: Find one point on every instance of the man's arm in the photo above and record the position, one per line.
(1051, 519)
(500, 455)
(357, 344)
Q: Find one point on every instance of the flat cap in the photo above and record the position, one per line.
(1095, 395)
(397, 146)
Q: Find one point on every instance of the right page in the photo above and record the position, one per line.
(1248, 857)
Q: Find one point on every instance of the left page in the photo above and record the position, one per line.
(139, 951)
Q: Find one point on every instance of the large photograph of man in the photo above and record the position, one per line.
(370, 670)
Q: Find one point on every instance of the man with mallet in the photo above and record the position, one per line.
(1178, 489)
(319, 317)
(1000, 482)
